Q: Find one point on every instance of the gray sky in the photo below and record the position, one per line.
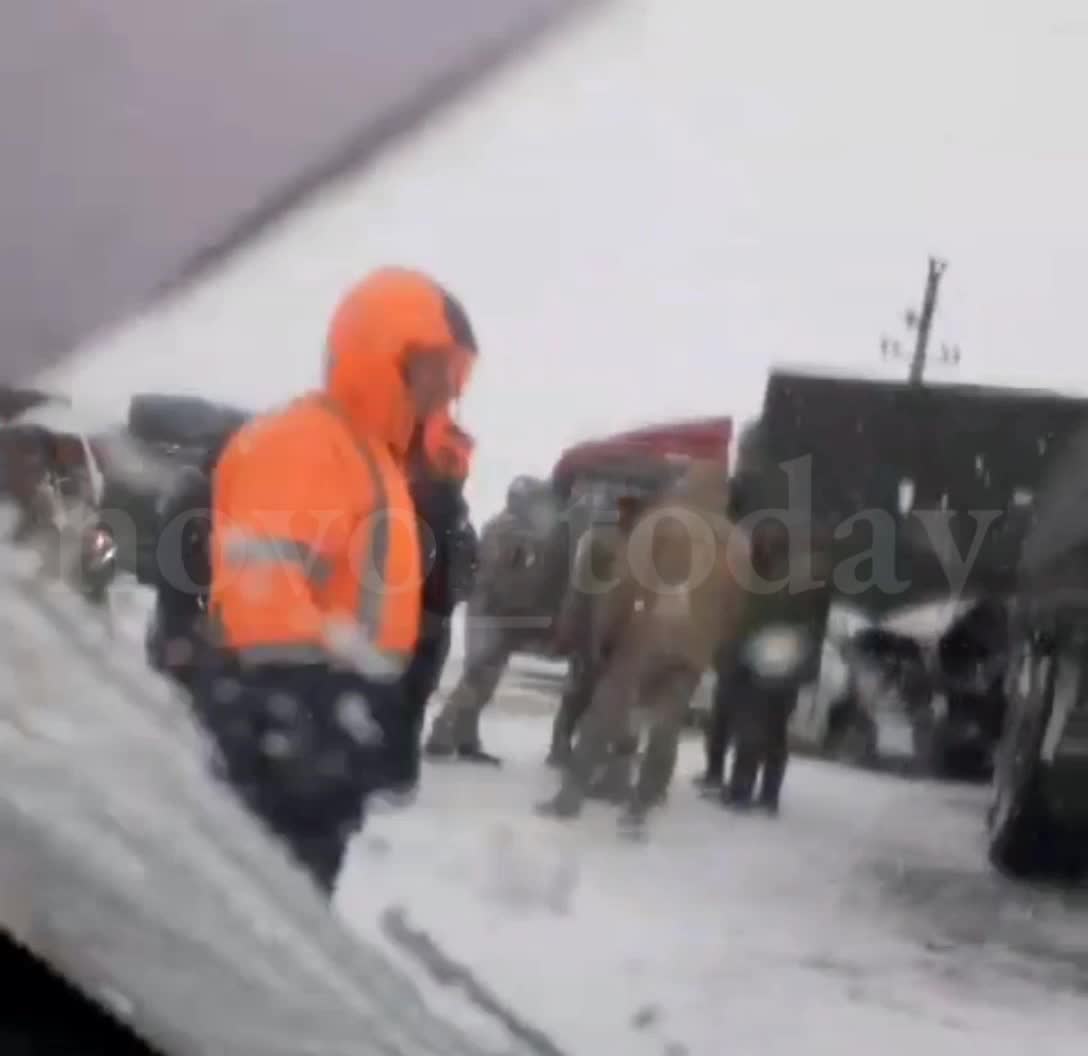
(680, 193)
(134, 133)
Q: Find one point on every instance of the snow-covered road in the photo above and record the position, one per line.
(864, 919)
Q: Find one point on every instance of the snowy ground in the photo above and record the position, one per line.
(864, 918)
(865, 915)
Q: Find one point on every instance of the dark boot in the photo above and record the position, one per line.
(776, 749)
(632, 820)
(719, 729)
(566, 803)
(475, 753)
(613, 783)
(737, 794)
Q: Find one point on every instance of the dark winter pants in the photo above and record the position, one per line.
(577, 697)
(719, 729)
(489, 642)
(762, 717)
(405, 730)
(302, 748)
(174, 639)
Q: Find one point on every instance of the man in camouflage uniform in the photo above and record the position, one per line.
(581, 619)
(518, 567)
(674, 604)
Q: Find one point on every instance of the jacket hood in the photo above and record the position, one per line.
(375, 327)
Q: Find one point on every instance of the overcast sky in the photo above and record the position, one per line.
(679, 193)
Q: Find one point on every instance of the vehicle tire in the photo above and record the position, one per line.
(928, 744)
(852, 738)
(1022, 842)
(1023, 839)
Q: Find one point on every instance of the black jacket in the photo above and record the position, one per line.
(448, 541)
(181, 572)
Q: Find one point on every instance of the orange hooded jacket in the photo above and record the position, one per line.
(315, 548)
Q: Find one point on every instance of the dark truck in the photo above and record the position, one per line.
(161, 434)
(1038, 817)
(913, 494)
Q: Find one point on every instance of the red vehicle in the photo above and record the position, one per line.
(590, 476)
(644, 457)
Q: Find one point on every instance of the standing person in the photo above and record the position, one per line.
(517, 568)
(580, 625)
(675, 605)
(719, 734)
(763, 703)
(181, 574)
(448, 541)
(316, 570)
(719, 730)
(762, 741)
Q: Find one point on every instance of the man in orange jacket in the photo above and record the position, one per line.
(316, 566)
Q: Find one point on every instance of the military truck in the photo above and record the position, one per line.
(911, 494)
(1038, 816)
(590, 476)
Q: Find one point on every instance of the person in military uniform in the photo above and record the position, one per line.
(675, 602)
(580, 624)
(518, 565)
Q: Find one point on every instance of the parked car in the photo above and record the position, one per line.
(161, 434)
(53, 476)
(934, 676)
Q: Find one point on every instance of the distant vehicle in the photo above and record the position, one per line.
(161, 434)
(590, 476)
(839, 716)
(900, 482)
(52, 474)
(922, 693)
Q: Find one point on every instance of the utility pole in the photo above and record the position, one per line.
(925, 323)
(922, 324)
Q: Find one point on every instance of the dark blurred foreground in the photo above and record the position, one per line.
(141, 139)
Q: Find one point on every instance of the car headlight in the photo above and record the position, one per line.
(100, 555)
(779, 651)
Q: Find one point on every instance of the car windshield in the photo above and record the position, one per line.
(309, 749)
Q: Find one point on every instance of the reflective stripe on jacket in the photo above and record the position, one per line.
(315, 549)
